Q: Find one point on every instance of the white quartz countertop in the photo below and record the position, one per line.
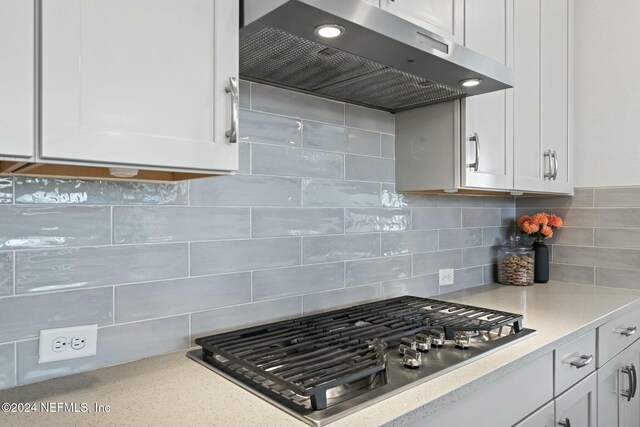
(172, 390)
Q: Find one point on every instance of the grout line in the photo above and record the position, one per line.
(113, 305)
(15, 363)
(15, 274)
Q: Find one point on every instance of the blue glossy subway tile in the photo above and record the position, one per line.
(436, 218)
(245, 94)
(244, 255)
(322, 136)
(339, 298)
(391, 199)
(6, 273)
(372, 270)
(387, 146)
(364, 168)
(327, 192)
(77, 191)
(23, 317)
(369, 119)
(292, 281)
(270, 129)
(7, 365)
(33, 227)
(408, 242)
(284, 161)
(246, 190)
(273, 222)
(460, 238)
(340, 247)
(116, 344)
(294, 104)
(432, 262)
(481, 217)
(245, 315)
(170, 297)
(6, 190)
(167, 224)
(72, 268)
(419, 286)
(363, 220)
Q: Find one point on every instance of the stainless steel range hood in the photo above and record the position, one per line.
(380, 61)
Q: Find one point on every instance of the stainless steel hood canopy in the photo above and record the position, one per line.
(380, 61)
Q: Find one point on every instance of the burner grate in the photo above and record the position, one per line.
(298, 361)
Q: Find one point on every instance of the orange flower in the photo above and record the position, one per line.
(540, 219)
(547, 231)
(522, 219)
(529, 227)
(555, 221)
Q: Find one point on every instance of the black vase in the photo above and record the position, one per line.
(541, 263)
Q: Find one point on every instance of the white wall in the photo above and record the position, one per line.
(607, 93)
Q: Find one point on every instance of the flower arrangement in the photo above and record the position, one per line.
(540, 226)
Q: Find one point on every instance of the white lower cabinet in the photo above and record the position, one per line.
(578, 406)
(543, 417)
(618, 401)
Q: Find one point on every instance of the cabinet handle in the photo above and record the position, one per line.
(555, 165)
(565, 423)
(629, 393)
(629, 331)
(635, 380)
(476, 139)
(549, 175)
(232, 88)
(583, 361)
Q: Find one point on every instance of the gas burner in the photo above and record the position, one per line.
(325, 366)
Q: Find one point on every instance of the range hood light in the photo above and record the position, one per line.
(470, 82)
(329, 31)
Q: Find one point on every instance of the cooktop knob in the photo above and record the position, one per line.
(437, 337)
(406, 343)
(412, 358)
(462, 339)
(423, 342)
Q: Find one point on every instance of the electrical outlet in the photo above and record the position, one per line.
(67, 343)
(446, 277)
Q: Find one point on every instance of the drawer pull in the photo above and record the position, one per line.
(584, 361)
(629, 331)
(565, 423)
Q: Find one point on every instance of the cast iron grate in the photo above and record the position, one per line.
(297, 361)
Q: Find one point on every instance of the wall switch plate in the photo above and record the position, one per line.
(67, 343)
(446, 276)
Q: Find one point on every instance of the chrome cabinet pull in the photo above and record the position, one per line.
(549, 175)
(629, 331)
(635, 380)
(583, 361)
(630, 392)
(476, 139)
(232, 88)
(555, 165)
(565, 423)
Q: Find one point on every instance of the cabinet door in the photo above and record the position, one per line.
(630, 408)
(611, 385)
(527, 158)
(443, 17)
(489, 31)
(555, 93)
(139, 82)
(578, 405)
(16, 78)
(543, 417)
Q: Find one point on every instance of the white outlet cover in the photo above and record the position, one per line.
(88, 333)
(446, 277)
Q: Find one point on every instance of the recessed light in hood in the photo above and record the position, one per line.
(381, 61)
(329, 31)
(471, 82)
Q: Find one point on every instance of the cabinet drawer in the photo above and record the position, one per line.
(574, 361)
(617, 334)
(543, 417)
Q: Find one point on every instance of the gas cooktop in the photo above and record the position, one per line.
(322, 367)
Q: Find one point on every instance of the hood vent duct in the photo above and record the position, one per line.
(381, 61)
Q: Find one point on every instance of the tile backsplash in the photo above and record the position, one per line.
(310, 223)
(600, 244)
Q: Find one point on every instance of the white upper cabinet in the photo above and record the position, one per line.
(139, 83)
(443, 17)
(487, 119)
(542, 95)
(17, 79)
